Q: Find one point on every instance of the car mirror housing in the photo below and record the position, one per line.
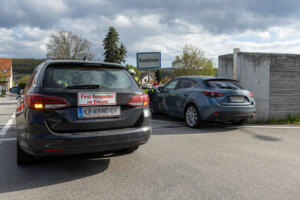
(15, 90)
(161, 89)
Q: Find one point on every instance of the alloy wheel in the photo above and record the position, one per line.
(191, 116)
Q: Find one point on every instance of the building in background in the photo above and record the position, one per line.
(273, 78)
(6, 75)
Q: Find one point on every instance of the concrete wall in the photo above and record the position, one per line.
(254, 74)
(284, 86)
(273, 78)
(225, 68)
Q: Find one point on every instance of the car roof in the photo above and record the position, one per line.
(48, 62)
(204, 78)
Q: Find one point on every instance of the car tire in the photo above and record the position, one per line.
(192, 116)
(131, 150)
(24, 158)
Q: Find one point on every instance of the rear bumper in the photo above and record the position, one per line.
(42, 144)
(231, 115)
(227, 113)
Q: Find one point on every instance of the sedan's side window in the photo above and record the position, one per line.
(171, 85)
(186, 83)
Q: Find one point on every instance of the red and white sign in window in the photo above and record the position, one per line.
(96, 98)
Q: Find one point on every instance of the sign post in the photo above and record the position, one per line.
(148, 60)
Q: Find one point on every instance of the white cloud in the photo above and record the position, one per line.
(26, 42)
(122, 21)
(142, 29)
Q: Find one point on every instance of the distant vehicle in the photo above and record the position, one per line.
(203, 98)
(72, 107)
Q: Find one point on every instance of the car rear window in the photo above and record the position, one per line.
(106, 77)
(224, 84)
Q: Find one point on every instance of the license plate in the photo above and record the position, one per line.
(237, 99)
(96, 98)
(98, 112)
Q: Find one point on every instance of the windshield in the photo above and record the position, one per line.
(224, 84)
(97, 77)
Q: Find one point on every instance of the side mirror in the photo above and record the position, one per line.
(15, 90)
(160, 88)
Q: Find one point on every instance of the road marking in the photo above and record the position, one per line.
(8, 124)
(278, 127)
(249, 126)
(7, 139)
(164, 121)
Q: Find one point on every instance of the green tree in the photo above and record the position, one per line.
(158, 75)
(22, 81)
(192, 62)
(68, 45)
(113, 51)
(25, 65)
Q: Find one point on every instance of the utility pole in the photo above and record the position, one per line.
(4, 71)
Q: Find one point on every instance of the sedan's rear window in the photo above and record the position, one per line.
(224, 84)
(70, 76)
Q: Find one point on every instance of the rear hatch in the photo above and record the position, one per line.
(230, 92)
(95, 96)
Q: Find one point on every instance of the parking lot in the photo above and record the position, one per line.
(212, 162)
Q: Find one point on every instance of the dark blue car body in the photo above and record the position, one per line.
(212, 103)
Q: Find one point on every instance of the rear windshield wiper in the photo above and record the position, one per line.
(83, 86)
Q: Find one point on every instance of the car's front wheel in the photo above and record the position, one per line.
(192, 116)
(23, 158)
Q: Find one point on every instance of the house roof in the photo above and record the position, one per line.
(5, 64)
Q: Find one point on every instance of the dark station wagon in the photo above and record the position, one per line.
(72, 107)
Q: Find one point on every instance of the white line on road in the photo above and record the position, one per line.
(278, 127)
(7, 139)
(164, 121)
(249, 126)
(8, 124)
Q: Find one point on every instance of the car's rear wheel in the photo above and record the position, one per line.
(24, 158)
(192, 116)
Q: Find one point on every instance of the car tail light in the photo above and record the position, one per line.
(212, 93)
(40, 102)
(251, 94)
(140, 100)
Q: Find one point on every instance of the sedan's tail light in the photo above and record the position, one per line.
(140, 100)
(40, 102)
(212, 93)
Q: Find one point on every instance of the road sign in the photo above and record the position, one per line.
(148, 60)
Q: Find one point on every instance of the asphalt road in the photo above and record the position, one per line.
(213, 162)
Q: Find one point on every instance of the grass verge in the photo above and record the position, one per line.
(290, 120)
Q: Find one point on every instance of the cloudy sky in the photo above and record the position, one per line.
(215, 26)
